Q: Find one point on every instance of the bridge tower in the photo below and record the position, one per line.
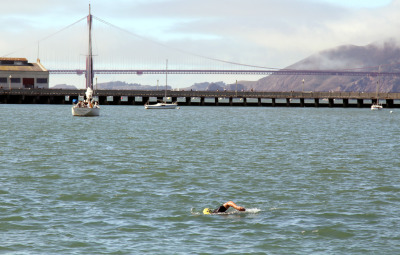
(89, 57)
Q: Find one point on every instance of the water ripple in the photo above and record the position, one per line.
(136, 181)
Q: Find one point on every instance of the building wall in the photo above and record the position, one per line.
(17, 73)
(24, 80)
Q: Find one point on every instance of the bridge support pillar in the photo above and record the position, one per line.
(360, 103)
(259, 101)
(244, 101)
(345, 102)
(288, 102)
(202, 101)
(216, 101)
(174, 99)
(230, 101)
(103, 100)
(389, 103)
(302, 102)
(131, 100)
(188, 100)
(316, 102)
(22, 100)
(145, 100)
(117, 100)
(273, 102)
(331, 102)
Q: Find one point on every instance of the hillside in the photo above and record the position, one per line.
(63, 86)
(386, 55)
(117, 85)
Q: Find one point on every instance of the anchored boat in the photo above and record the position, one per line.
(88, 107)
(163, 104)
(377, 106)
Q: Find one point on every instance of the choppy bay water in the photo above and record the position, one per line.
(132, 181)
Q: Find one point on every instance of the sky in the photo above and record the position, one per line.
(144, 33)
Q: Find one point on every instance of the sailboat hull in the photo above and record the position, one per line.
(85, 112)
(376, 107)
(161, 106)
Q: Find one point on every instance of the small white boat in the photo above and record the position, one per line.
(86, 111)
(161, 105)
(88, 107)
(376, 106)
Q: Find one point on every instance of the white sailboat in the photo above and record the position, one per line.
(163, 104)
(88, 107)
(377, 106)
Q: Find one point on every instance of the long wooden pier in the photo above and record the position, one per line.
(204, 98)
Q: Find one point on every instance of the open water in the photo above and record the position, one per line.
(134, 181)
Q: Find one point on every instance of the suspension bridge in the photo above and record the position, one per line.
(241, 68)
(235, 72)
(217, 98)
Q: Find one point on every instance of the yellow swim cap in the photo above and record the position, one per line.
(207, 211)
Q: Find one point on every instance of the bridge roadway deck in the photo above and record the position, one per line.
(241, 72)
(218, 98)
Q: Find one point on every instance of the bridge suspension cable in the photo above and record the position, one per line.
(47, 37)
(61, 30)
(262, 69)
(180, 50)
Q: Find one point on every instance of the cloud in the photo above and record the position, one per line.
(298, 28)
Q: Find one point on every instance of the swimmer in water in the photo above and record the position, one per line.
(223, 208)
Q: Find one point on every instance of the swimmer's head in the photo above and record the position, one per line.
(207, 211)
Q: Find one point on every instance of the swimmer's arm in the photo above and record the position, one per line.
(230, 203)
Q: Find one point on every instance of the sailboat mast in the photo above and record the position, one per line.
(377, 85)
(166, 79)
(89, 57)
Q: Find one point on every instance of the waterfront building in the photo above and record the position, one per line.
(17, 73)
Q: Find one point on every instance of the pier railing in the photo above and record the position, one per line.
(188, 93)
